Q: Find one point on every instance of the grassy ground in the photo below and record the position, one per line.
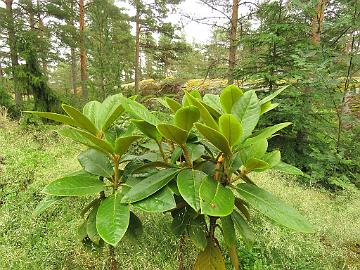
(30, 158)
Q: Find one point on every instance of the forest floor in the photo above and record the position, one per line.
(31, 157)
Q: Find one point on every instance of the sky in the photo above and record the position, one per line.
(194, 31)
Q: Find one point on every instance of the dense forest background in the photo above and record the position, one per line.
(57, 51)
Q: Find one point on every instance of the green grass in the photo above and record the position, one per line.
(31, 158)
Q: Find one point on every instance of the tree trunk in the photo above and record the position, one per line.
(137, 46)
(13, 51)
(317, 22)
(41, 31)
(73, 70)
(232, 36)
(83, 57)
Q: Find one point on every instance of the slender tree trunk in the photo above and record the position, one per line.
(233, 45)
(13, 51)
(41, 31)
(83, 57)
(317, 22)
(73, 70)
(137, 46)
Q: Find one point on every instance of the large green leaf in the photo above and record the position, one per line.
(274, 208)
(243, 228)
(228, 230)
(185, 117)
(211, 258)
(148, 129)
(273, 158)
(255, 164)
(47, 202)
(213, 101)
(197, 232)
(138, 111)
(196, 150)
(215, 137)
(287, 168)
(112, 219)
(110, 110)
(78, 184)
(229, 96)
(91, 230)
(230, 128)
(161, 201)
(96, 162)
(91, 110)
(215, 199)
(173, 104)
(55, 117)
(268, 106)
(255, 150)
(149, 185)
(247, 111)
(173, 133)
(87, 139)
(204, 113)
(265, 133)
(273, 95)
(122, 144)
(81, 120)
(188, 182)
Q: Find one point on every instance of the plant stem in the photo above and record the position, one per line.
(114, 265)
(186, 155)
(116, 173)
(159, 143)
(181, 252)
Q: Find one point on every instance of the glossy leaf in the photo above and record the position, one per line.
(228, 230)
(110, 110)
(273, 158)
(268, 106)
(91, 110)
(213, 101)
(112, 219)
(81, 120)
(204, 113)
(215, 199)
(45, 203)
(163, 200)
(255, 164)
(229, 96)
(287, 168)
(274, 208)
(138, 111)
(243, 228)
(247, 111)
(55, 117)
(256, 150)
(91, 226)
(214, 137)
(273, 95)
(96, 162)
(148, 129)
(265, 133)
(173, 133)
(122, 144)
(197, 232)
(188, 182)
(87, 139)
(149, 185)
(196, 151)
(78, 184)
(211, 258)
(230, 128)
(173, 104)
(185, 117)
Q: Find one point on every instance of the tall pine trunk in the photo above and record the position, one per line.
(13, 51)
(137, 47)
(83, 57)
(232, 36)
(317, 22)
